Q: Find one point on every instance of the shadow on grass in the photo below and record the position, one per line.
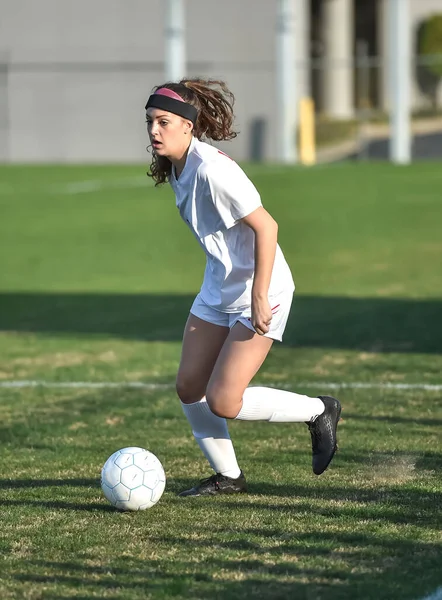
(57, 504)
(164, 585)
(404, 504)
(44, 430)
(332, 565)
(277, 543)
(34, 484)
(381, 503)
(372, 324)
(8, 484)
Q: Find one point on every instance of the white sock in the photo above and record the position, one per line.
(278, 406)
(212, 435)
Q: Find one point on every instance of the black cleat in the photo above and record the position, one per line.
(218, 484)
(323, 432)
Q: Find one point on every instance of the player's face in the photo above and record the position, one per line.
(169, 134)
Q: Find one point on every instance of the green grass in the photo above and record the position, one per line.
(97, 273)
(331, 131)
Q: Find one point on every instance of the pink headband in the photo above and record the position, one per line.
(169, 100)
(169, 93)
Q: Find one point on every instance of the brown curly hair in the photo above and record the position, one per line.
(214, 102)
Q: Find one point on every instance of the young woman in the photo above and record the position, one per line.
(246, 294)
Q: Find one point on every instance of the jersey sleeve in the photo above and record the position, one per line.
(231, 191)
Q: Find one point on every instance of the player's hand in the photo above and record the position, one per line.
(261, 315)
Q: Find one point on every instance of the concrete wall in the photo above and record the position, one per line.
(76, 75)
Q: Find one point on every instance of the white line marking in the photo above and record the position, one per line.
(86, 384)
(85, 186)
(96, 185)
(428, 387)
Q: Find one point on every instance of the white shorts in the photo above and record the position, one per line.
(280, 306)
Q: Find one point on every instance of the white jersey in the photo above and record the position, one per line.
(213, 194)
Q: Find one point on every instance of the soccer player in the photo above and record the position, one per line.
(245, 298)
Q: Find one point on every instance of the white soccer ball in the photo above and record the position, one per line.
(133, 479)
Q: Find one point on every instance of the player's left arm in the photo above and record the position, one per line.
(266, 238)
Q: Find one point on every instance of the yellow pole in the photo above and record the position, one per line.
(307, 141)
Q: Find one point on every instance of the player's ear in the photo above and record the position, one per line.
(188, 127)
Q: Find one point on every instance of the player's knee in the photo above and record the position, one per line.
(221, 403)
(189, 389)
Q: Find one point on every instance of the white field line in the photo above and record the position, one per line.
(96, 185)
(85, 186)
(429, 387)
(88, 186)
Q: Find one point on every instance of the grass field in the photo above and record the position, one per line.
(97, 273)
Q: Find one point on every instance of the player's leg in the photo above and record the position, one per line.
(229, 396)
(202, 343)
(228, 392)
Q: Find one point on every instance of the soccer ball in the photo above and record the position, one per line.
(133, 479)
